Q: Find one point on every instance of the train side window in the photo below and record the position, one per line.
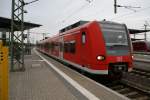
(83, 37)
(69, 47)
(66, 47)
(46, 45)
(52, 45)
(72, 47)
(61, 46)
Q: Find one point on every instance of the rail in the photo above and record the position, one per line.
(141, 60)
(142, 53)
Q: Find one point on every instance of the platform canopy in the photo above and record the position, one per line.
(5, 23)
(136, 31)
(133, 39)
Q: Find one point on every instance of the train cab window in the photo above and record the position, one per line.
(83, 37)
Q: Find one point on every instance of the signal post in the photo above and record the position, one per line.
(3, 71)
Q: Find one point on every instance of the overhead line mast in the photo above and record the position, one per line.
(17, 40)
(127, 7)
(145, 27)
(115, 6)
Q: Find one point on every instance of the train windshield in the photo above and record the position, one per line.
(115, 36)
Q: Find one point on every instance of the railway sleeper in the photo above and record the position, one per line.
(123, 90)
(117, 87)
(141, 73)
(141, 98)
(131, 93)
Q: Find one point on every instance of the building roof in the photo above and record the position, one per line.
(5, 23)
(136, 31)
(133, 39)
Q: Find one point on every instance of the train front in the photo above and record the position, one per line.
(118, 47)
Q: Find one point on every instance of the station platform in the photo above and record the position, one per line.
(38, 82)
(142, 57)
(41, 82)
(142, 62)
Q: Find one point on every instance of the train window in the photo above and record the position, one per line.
(148, 44)
(66, 47)
(69, 47)
(49, 45)
(52, 45)
(83, 37)
(61, 46)
(46, 45)
(72, 47)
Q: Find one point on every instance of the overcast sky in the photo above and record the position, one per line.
(56, 14)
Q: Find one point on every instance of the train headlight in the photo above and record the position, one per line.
(132, 57)
(100, 57)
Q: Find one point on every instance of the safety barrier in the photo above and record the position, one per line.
(3, 72)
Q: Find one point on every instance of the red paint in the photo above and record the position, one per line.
(85, 55)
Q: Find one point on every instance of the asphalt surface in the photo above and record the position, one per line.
(38, 82)
(41, 82)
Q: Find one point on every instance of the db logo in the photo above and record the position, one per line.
(119, 59)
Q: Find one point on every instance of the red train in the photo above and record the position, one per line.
(141, 46)
(95, 47)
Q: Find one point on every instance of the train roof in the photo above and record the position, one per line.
(79, 23)
(109, 22)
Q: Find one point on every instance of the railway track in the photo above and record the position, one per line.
(128, 87)
(142, 53)
(141, 73)
(124, 87)
(134, 85)
(128, 91)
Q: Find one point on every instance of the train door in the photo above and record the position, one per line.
(61, 47)
(84, 48)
